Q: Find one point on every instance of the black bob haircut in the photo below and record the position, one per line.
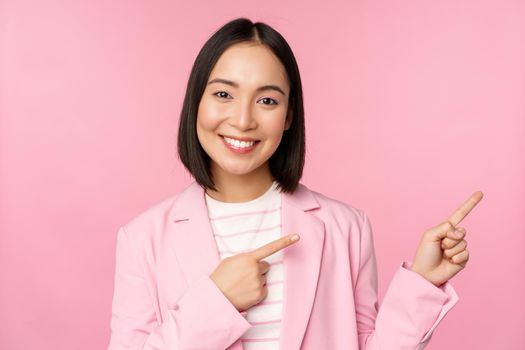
(287, 162)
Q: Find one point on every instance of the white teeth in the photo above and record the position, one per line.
(239, 144)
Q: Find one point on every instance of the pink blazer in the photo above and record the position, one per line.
(164, 299)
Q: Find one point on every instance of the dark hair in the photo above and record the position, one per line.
(287, 162)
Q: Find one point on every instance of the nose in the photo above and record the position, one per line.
(243, 118)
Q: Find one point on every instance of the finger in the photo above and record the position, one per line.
(453, 237)
(439, 232)
(458, 248)
(465, 208)
(457, 234)
(264, 267)
(263, 279)
(273, 247)
(448, 243)
(461, 257)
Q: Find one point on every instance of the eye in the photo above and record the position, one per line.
(271, 100)
(221, 94)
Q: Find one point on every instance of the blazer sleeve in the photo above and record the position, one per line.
(203, 318)
(411, 309)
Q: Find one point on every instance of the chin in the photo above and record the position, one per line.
(238, 172)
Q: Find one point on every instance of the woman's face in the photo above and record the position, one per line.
(246, 98)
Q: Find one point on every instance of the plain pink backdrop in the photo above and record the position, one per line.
(432, 94)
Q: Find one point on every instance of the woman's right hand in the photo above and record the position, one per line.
(241, 277)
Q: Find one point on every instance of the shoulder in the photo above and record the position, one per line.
(151, 220)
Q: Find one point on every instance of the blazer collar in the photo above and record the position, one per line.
(192, 240)
(302, 198)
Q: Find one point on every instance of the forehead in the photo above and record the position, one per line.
(250, 63)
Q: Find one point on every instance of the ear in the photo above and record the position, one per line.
(289, 118)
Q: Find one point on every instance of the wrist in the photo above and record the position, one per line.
(425, 277)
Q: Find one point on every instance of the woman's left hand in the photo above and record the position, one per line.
(442, 252)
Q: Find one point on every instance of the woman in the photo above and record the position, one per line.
(216, 266)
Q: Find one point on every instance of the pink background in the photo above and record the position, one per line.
(411, 106)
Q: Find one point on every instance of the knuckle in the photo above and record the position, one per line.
(263, 280)
(263, 267)
(448, 225)
(250, 259)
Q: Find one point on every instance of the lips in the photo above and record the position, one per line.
(240, 138)
(239, 150)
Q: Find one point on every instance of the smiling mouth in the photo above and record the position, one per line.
(240, 140)
(239, 146)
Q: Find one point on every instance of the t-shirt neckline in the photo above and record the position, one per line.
(270, 190)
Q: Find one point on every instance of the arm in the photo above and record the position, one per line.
(411, 309)
(203, 317)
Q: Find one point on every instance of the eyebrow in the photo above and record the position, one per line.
(234, 84)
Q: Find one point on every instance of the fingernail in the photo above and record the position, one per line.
(294, 238)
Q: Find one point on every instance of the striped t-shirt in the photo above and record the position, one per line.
(241, 227)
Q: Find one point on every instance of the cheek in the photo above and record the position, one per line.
(275, 126)
(208, 116)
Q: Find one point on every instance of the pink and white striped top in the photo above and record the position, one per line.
(240, 227)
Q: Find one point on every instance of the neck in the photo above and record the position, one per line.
(234, 188)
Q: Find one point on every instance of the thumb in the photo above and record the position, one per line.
(439, 232)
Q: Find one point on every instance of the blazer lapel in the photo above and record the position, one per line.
(192, 237)
(302, 262)
(196, 251)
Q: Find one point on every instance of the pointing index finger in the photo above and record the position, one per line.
(460, 213)
(273, 247)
